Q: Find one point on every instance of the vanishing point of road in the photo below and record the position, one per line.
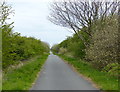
(57, 75)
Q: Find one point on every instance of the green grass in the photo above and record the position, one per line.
(0, 80)
(103, 80)
(23, 77)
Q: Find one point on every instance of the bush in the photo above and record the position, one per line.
(55, 48)
(112, 69)
(16, 47)
(72, 46)
(77, 49)
(62, 50)
(103, 49)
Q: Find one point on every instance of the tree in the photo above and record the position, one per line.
(81, 14)
(16, 48)
(5, 11)
(103, 49)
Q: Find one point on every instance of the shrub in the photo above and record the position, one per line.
(112, 69)
(55, 48)
(62, 50)
(77, 49)
(103, 49)
(72, 46)
(17, 48)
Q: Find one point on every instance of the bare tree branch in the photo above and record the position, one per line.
(79, 14)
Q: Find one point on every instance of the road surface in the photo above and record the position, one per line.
(57, 75)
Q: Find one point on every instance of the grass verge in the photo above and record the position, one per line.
(103, 80)
(0, 80)
(22, 78)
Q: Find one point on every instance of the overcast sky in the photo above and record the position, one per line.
(31, 20)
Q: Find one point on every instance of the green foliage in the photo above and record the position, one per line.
(72, 45)
(14, 46)
(0, 59)
(23, 77)
(77, 49)
(62, 50)
(104, 43)
(55, 48)
(64, 43)
(112, 69)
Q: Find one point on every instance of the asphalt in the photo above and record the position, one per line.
(57, 75)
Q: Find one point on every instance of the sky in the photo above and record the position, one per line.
(30, 19)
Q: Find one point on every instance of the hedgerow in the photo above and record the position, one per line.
(15, 47)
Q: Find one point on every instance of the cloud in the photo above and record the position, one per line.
(31, 20)
(30, 1)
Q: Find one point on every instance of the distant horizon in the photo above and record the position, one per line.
(30, 19)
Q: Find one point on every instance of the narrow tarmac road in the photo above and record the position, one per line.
(57, 75)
